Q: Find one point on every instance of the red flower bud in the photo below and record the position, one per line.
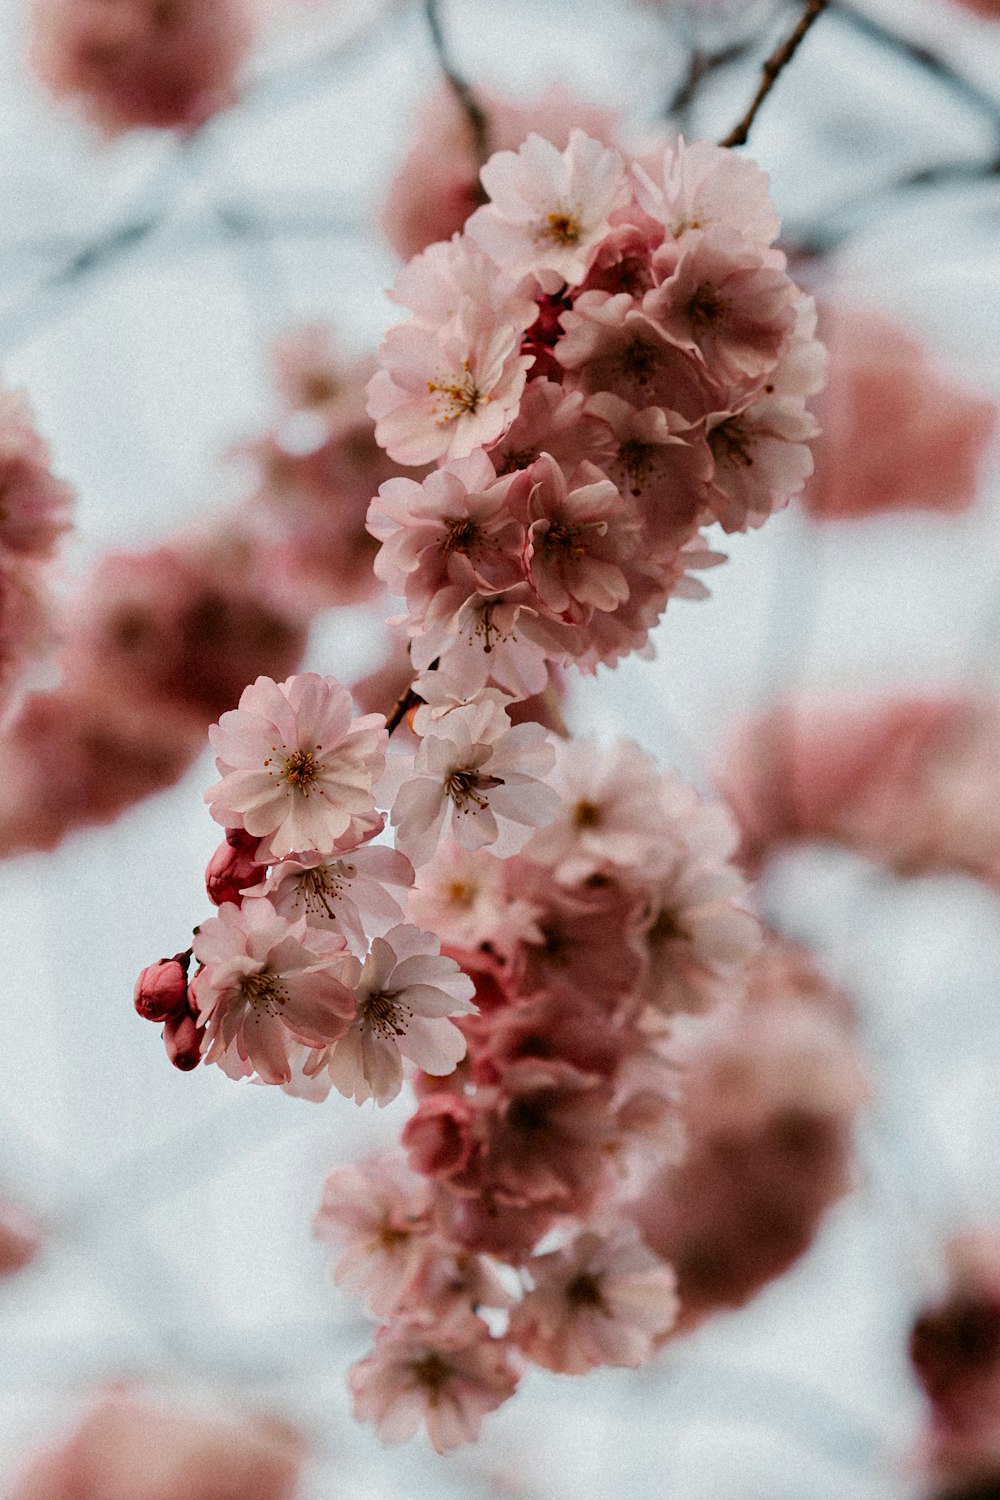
(233, 867)
(161, 989)
(182, 1037)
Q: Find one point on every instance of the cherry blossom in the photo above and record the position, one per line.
(352, 896)
(603, 1300)
(403, 999)
(296, 768)
(447, 1377)
(262, 989)
(480, 775)
(381, 1212)
(549, 208)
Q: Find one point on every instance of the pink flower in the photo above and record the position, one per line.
(612, 344)
(550, 209)
(461, 894)
(896, 432)
(481, 776)
(448, 1377)
(162, 989)
(771, 1089)
(901, 781)
(579, 536)
(185, 626)
(140, 63)
(296, 768)
(455, 530)
(761, 460)
(552, 420)
(352, 896)
(661, 462)
(704, 186)
(381, 1212)
(605, 1299)
(436, 186)
(403, 998)
(726, 300)
(234, 867)
(262, 990)
(130, 1447)
(451, 377)
(35, 507)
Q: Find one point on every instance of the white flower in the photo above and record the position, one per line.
(550, 209)
(404, 995)
(486, 775)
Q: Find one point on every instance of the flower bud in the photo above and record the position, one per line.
(161, 989)
(182, 1037)
(233, 867)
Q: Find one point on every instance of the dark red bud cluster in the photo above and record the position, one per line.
(233, 867)
(161, 994)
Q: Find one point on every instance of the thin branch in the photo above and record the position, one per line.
(478, 123)
(773, 68)
(702, 65)
(402, 707)
(930, 62)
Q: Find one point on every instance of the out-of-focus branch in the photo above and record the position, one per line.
(773, 67)
(702, 65)
(930, 62)
(478, 123)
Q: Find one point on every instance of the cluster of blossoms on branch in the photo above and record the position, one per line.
(907, 781)
(603, 363)
(130, 64)
(599, 367)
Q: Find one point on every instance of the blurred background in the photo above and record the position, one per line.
(142, 281)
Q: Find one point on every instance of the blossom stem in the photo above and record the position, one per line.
(402, 707)
(702, 65)
(773, 67)
(474, 113)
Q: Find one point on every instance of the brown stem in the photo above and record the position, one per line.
(772, 69)
(401, 708)
(478, 123)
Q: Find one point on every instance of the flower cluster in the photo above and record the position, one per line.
(135, 63)
(155, 644)
(618, 914)
(770, 1089)
(896, 433)
(35, 512)
(309, 976)
(600, 365)
(908, 782)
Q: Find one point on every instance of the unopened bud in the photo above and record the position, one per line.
(182, 1037)
(233, 867)
(161, 989)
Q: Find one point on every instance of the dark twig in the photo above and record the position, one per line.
(772, 69)
(407, 701)
(702, 65)
(931, 63)
(478, 123)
